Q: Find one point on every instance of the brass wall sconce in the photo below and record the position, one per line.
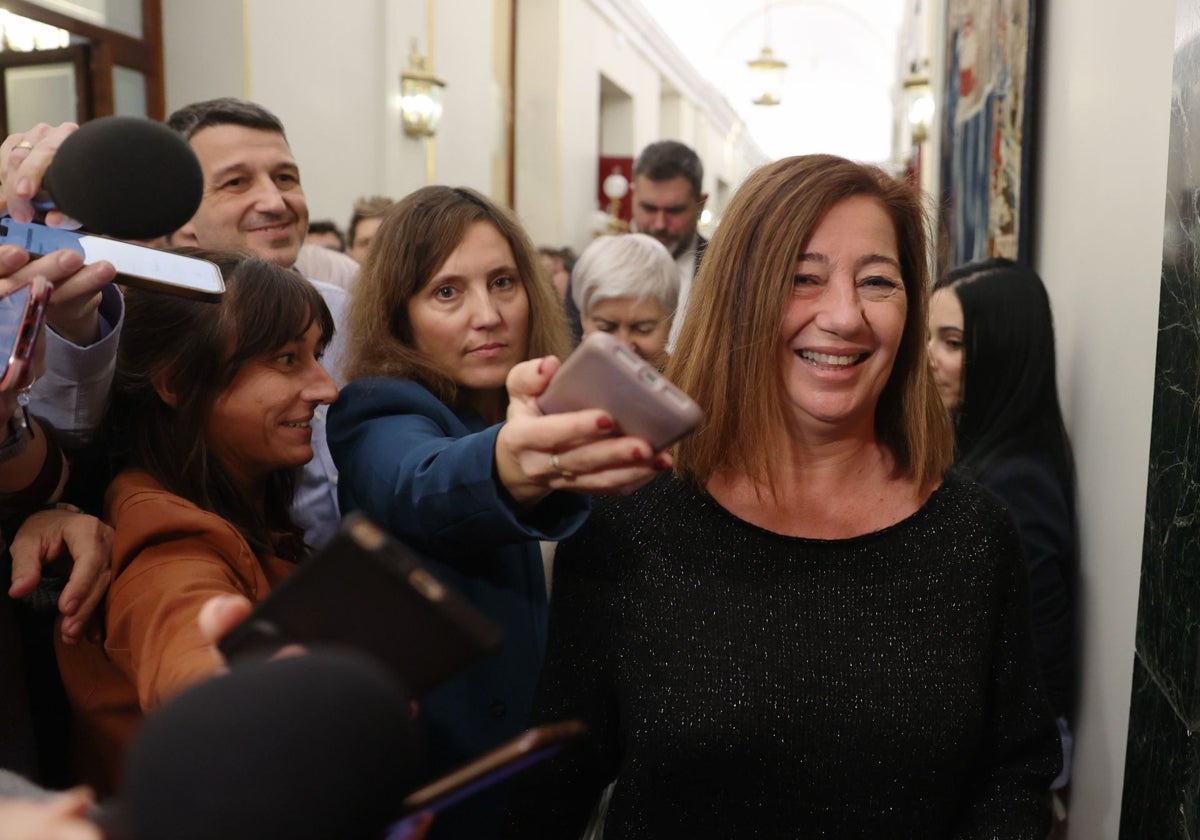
(420, 97)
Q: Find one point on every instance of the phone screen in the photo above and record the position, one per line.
(12, 312)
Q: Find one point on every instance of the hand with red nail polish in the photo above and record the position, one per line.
(582, 451)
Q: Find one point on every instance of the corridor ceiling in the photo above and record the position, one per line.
(841, 57)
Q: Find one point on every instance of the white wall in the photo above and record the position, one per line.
(1105, 99)
(320, 73)
(558, 114)
(539, 119)
(202, 51)
(473, 121)
(602, 51)
(333, 78)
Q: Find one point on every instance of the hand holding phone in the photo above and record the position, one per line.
(22, 316)
(603, 373)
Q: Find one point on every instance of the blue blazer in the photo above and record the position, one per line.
(427, 475)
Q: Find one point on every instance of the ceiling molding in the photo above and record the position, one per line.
(642, 31)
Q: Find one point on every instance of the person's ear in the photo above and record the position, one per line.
(162, 386)
(184, 237)
(701, 202)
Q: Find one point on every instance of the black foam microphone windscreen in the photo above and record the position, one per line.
(313, 747)
(126, 177)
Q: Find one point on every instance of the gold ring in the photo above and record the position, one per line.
(24, 144)
(558, 467)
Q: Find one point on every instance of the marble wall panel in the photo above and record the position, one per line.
(1162, 768)
(1160, 798)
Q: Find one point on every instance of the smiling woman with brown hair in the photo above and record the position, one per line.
(209, 424)
(811, 629)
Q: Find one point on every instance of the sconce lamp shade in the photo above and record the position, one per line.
(615, 187)
(420, 98)
(768, 75)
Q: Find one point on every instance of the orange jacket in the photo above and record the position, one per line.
(169, 557)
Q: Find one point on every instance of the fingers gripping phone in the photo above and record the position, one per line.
(603, 373)
(22, 314)
(530, 747)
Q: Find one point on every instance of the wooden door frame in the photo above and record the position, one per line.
(76, 54)
(110, 48)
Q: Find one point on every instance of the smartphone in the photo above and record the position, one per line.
(22, 314)
(369, 591)
(530, 747)
(604, 373)
(136, 265)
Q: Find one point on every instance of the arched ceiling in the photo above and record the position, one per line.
(841, 57)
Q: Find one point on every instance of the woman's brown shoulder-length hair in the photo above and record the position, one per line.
(727, 356)
(417, 235)
(196, 348)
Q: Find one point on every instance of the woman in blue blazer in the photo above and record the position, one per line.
(453, 332)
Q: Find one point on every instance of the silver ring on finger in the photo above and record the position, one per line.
(24, 144)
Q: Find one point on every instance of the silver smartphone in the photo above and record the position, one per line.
(136, 265)
(604, 373)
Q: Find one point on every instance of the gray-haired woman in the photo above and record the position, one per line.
(628, 286)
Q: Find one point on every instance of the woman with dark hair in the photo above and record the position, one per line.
(208, 425)
(991, 344)
(810, 629)
(439, 440)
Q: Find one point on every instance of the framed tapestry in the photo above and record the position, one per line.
(987, 130)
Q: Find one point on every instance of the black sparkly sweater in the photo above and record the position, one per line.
(738, 683)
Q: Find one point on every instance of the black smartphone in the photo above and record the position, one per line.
(369, 591)
(604, 373)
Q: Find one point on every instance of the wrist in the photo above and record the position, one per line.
(82, 331)
(15, 434)
(511, 480)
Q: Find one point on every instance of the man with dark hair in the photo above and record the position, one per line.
(252, 200)
(323, 256)
(667, 203)
(224, 110)
(253, 203)
(325, 234)
(364, 221)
